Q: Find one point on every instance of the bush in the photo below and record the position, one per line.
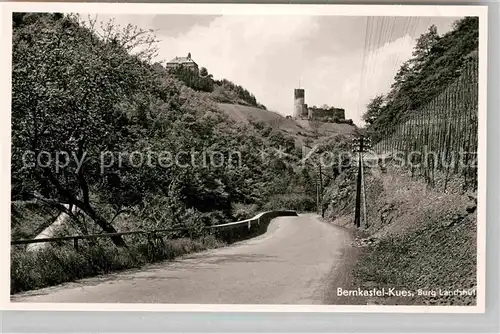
(244, 211)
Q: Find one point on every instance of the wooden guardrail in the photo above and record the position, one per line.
(229, 232)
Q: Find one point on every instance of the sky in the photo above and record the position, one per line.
(340, 61)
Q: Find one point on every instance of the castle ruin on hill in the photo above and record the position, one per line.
(303, 111)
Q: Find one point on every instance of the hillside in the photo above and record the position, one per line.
(420, 231)
(247, 115)
(416, 237)
(303, 131)
(149, 110)
(436, 62)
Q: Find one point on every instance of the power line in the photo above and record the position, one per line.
(368, 20)
(381, 37)
(375, 28)
(396, 60)
(378, 38)
(390, 39)
(366, 55)
(407, 25)
(411, 25)
(371, 52)
(378, 31)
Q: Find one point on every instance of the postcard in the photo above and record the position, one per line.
(237, 157)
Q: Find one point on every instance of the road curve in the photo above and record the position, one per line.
(290, 264)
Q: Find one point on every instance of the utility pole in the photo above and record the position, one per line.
(361, 146)
(321, 190)
(357, 212)
(318, 180)
(363, 192)
(317, 196)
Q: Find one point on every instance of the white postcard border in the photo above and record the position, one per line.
(235, 9)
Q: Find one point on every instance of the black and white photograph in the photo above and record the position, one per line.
(233, 157)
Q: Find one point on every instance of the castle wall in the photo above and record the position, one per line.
(335, 113)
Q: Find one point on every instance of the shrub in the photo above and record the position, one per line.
(244, 211)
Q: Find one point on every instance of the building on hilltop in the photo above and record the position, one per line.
(186, 62)
(303, 111)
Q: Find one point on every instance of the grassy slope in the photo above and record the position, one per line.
(423, 238)
(301, 130)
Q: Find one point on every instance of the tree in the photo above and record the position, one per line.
(66, 83)
(436, 61)
(423, 48)
(200, 81)
(373, 109)
(203, 72)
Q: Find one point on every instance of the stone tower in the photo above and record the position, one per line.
(299, 106)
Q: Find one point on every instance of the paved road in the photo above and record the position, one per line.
(293, 263)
